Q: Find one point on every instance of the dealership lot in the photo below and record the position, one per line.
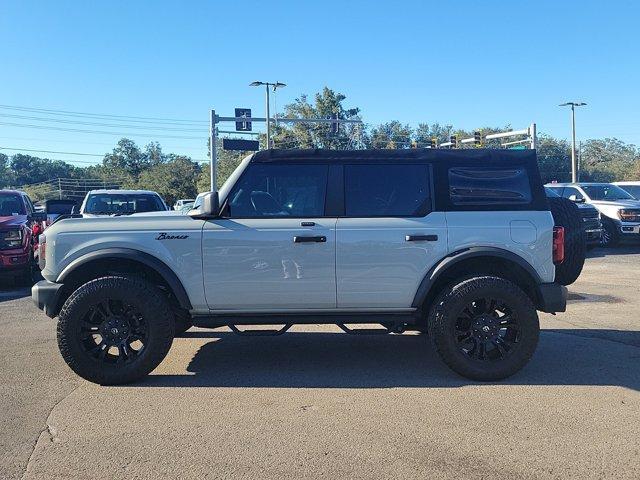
(319, 403)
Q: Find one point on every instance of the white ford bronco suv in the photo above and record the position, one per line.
(458, 244)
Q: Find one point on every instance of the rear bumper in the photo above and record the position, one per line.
(553, 297)
(46, 295)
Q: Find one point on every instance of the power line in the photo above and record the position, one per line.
(52, 151)
(68, 113)
(96, 124)
(97, 132)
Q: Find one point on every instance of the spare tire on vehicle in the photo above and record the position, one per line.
(566, 214)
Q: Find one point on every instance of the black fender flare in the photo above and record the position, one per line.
(150, 261)
(461, 255)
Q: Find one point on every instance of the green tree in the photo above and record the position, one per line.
(390, 135)
(173, 179)
(318, 135)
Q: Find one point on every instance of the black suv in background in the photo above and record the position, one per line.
(590, 218)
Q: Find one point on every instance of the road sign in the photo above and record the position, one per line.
(239, 144)
(243, 126)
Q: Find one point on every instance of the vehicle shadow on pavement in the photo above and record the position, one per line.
(9, 291)
(626, 249)
(335, 360)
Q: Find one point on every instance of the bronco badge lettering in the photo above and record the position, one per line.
(166, 236)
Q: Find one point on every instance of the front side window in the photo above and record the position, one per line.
(120, 203)
(572, 192)
(391, 190)
(489, 186)
(279, 191)
(606, 192)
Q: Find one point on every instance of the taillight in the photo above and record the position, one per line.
(36, 230)
(42, 251)
(558, 244)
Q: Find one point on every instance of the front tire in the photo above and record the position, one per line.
(610, 234)
(115, 330)
(484, 328)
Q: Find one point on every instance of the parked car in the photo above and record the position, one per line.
(590, 220)
(632, 188)
(121, 202)
(619, 211)
(20, 226)
(180, 203)
(458, 243)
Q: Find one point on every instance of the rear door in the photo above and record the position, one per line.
(389, 236)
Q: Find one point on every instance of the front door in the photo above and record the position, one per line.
(274, 250)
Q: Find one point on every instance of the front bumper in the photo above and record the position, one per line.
(553, 297)
(593, 236)
(46, 296)
(629, 229)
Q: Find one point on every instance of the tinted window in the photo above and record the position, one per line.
(267, 190)
(11, 205)
(123, 203)
(489, 186)
(387, 190)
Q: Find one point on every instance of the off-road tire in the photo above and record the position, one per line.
(566, 214)
(147, 299)
(610, 234)
(445, 313)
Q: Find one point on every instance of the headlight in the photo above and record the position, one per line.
(628, 215)
(12, 239)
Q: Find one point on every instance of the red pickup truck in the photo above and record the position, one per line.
(20, 226)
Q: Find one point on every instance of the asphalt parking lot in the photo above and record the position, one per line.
(317, 403)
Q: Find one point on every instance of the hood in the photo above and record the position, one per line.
(160, 213)
(617, 203)
(12, 221)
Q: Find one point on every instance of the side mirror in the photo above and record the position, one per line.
(576, 199)
(208, 208)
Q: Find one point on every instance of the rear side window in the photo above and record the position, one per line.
(391, 190)
(489, 186)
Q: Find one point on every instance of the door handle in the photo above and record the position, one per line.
(319, 238)
(421, 238)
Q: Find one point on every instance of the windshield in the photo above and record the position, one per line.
(11, 205)
(634, 190)
(606, 192)
(119, 203)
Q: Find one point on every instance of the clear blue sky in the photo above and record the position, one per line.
(473, 64)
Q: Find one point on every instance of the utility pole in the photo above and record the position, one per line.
(574, 158)
(213, 152)
(275, 86)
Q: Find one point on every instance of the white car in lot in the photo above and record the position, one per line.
(457, 243)
(620, 211)
(121, 202)
(182, 202)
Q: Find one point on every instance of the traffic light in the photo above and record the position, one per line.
(434, 143)
(454, 141)
(477, 138)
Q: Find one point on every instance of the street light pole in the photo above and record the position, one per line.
(574, 157)
(275, 86)
(268, 116)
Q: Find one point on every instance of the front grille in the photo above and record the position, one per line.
(590, 219)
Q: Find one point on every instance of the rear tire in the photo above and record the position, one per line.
(566, 214)
(115, 330)
(484, 328)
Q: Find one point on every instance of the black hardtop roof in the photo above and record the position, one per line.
(481, 156)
